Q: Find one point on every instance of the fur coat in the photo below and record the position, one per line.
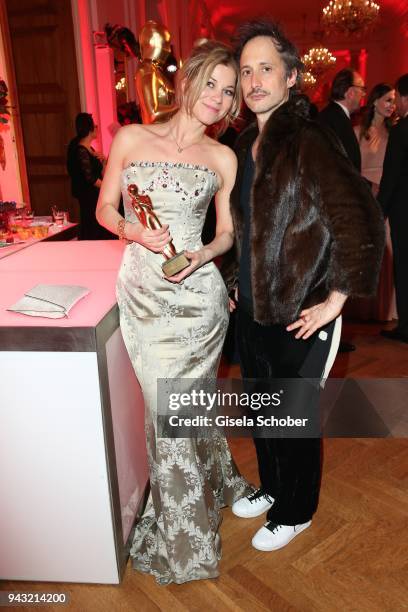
(315, 227)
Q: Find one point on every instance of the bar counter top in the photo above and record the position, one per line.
(92, 264)
(63, 232)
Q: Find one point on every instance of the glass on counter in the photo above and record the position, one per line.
(25, 226)
(58, 216)
(28, 215)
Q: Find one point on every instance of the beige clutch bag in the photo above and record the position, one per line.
(51, 301)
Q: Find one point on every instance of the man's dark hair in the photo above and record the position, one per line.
(260, 27)
(402, 85)
(341, 83)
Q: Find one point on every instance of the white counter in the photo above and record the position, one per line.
(73, 467)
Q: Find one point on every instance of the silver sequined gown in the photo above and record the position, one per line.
(177, 331)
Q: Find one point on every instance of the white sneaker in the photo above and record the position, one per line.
(252, 505)
(273, 537)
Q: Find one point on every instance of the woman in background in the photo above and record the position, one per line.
(373, 132)
(372, 135)
(85, 167)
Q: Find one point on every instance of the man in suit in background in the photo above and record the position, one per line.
(393, 197)
(347, 91)
(346, 94)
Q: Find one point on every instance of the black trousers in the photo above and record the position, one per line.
(400, 258)
(289, 468)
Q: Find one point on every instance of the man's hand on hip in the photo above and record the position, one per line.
(312, 319)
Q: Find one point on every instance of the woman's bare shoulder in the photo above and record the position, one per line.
(223, 161)
(224, 156)
(130, 133)
(219, 149)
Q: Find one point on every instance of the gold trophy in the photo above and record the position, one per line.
(143, 208)
(155, 90)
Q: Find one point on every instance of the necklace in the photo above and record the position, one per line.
(180, 149)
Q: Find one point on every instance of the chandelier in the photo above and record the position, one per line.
(308, 80)
(121, 84)
(350, 16)
(317, 60)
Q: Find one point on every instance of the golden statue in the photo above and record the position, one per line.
(154, 89)
(143, 208)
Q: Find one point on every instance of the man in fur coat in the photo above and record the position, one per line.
(308, 235)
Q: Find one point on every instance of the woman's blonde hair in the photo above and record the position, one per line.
(197, 70)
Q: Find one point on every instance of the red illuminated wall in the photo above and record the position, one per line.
(10, 180)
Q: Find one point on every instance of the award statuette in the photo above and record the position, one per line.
(143, 207)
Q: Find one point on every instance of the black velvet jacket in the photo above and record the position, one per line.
(315, 227)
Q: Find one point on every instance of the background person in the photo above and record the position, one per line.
(347, 91)
(372, 135)
(393, 196)
(85, 167)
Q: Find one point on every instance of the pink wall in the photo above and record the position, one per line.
(106, 95)
(86, 65)
(10, 183)
(10, 186)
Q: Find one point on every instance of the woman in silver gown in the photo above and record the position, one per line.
(175, 327)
